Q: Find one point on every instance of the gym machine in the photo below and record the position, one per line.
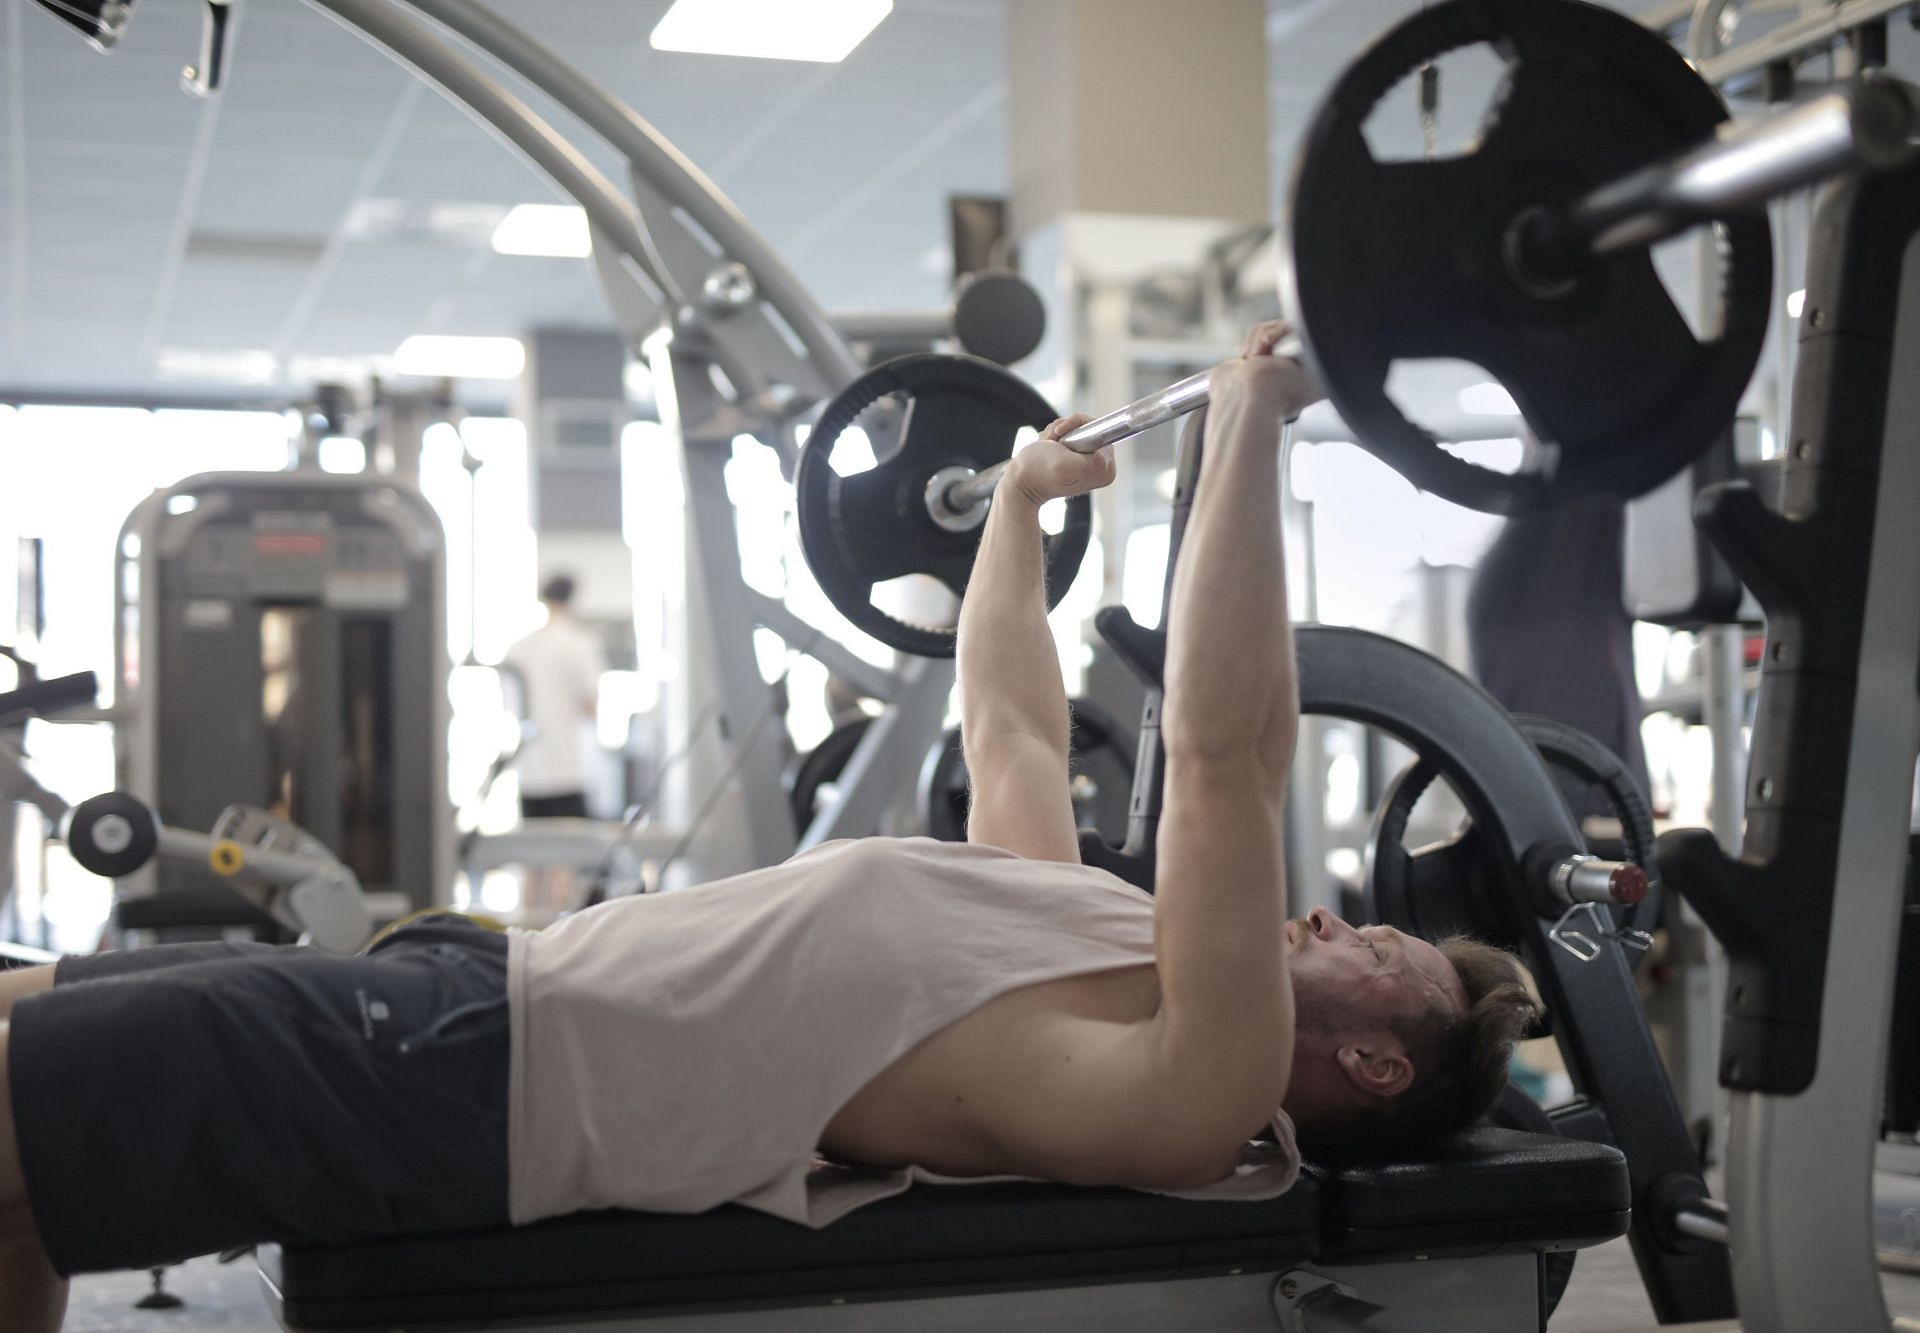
(1563, 258)
(737, 347)
(695, 287)
(1522, 873)
(1351, 1238)
(279, 869)
(282, 636)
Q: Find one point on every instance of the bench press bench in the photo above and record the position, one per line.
(1457, 1235)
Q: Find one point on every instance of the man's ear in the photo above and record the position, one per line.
(1376, 1065)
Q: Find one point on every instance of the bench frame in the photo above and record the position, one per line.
(1489, 1294)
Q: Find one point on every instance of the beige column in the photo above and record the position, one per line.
(1139, 139)
(1138, 108)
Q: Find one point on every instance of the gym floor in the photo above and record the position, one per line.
(1605, 1295)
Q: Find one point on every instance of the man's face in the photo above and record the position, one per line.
(1365, 979)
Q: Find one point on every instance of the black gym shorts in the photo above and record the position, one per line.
(185, 1099)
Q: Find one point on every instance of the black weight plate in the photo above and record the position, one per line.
(112, 834)
(998, 315)
(863, 529)
(1421, 891)
(1100, 755)
(1407, 259)
(945, 789)
(824, 763)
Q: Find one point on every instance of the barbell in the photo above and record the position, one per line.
(1528, 255)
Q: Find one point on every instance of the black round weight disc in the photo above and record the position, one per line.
(998, 315)
(1407, 260)
(112, 834)
(1395, 885)
(823, 764)
(864, 529)
(1100, 756)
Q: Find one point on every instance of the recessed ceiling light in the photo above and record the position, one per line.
(343, 453)
(1488, 399)
(460, 358)
(407, 222)
(825, 30)
(1796, 302)
(556, 231)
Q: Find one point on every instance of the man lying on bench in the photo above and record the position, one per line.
(920, 1009)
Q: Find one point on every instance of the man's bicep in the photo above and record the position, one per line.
(1220, 930)
(1021, 800)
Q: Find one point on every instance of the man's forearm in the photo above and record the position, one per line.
(1230, 686)
(1009, 669)
(1225, 1028)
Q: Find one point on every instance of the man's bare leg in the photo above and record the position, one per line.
(32, 1294)
(19, 982)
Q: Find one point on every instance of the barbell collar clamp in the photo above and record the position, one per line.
(957, 498)
(1588, 879)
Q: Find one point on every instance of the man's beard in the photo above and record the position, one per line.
(1315, 1010)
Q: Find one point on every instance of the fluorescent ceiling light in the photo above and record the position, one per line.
(557, 231)
(1488, 399)
(1796, 302)
(245, 366)
(823, 30)
(460, 358)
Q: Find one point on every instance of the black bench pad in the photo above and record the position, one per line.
(1486, 1191)
(960, 1236)
(1490, 1190)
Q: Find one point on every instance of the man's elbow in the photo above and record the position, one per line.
(1229, 765)
(1202, 1152)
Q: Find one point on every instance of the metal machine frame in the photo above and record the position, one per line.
(277, 866)
(1811, 912)
(691, 282)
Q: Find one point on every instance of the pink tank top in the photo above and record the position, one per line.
(682, 1050)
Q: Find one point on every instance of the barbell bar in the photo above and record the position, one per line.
(959, 504)
(1870, 123)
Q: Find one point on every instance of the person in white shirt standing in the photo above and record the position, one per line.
(559, 666)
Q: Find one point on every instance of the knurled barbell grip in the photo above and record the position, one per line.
(1136, 418)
